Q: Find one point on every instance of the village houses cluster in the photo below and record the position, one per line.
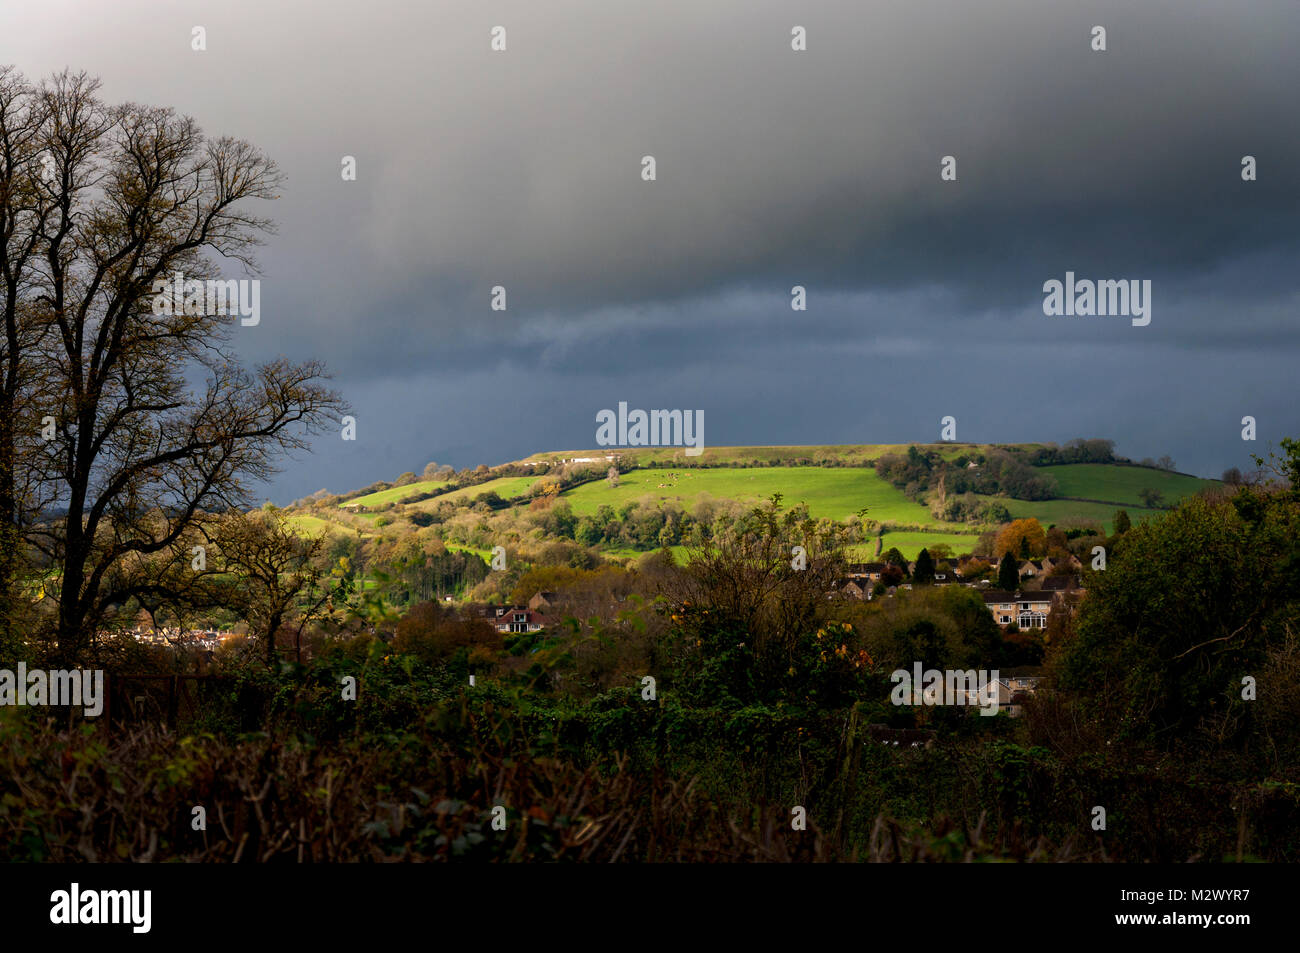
(1048, 585)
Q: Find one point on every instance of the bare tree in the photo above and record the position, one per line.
(102, 207)
(25, 209)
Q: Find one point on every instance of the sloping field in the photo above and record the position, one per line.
(848, 454)
(396, 493)
(834, 492)
(505, 487)
(1049, 512)
(1121, 485)
(910, 543)
(311, 525)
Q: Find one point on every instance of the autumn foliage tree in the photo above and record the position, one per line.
(271, 574)
(433, 633)
(1020, 535)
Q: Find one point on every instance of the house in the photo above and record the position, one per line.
(1061, 564)
(1028, 610)
(1002, 604)
(869, 571)
(1009, 692)
(1013, 691)
(854, 588)
(519, 619)
(1030, 568)
(608, 458)
(542, 600)
(1021, 683)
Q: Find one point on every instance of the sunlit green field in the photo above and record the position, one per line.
(1060, 512)
(484, 554)
(505, 487)
(1100, 481)
(396, 493)
(621, 552)
(911, 543)
(834, 492)
(848, 454)
(314, 526)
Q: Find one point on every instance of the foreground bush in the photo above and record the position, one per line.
(626, 782)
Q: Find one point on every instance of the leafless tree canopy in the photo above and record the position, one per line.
(121, 430)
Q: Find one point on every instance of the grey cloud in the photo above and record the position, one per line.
(775, 169)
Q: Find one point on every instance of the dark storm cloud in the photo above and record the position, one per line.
(774, 169)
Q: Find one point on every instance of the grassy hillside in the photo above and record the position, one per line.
(312, 525)
(1121, 484)
(836, 493)
(505, 487)
(393, 494)
(1087, 491)
(847, 454)
(909, 543)
(484, 554)
(1049, 512)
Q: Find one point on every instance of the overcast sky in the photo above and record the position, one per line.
(774, 168)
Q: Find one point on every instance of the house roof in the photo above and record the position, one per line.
(1035, 597)
(1023, 671)
(1001, 595)
(530, 616)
